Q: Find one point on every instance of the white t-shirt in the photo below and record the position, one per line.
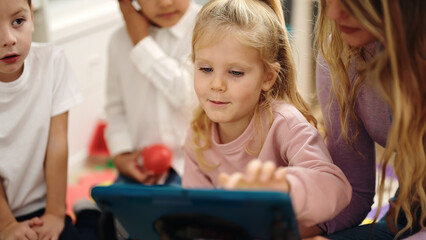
(45, 89)
(150, 96)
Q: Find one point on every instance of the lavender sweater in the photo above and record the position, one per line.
(373, 112)
(374, 115)
(319, 190)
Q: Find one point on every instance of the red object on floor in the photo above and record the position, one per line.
(98, 146)
(84, 186)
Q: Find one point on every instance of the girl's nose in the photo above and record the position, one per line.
(335, 11)
(165, 3)
(217, 84)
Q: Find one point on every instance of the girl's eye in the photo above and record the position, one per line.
(205, 69)
(236, 73)
(18, 22)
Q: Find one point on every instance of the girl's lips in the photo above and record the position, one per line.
(167, 15)
(218, 103)
(10, 59)
(347, 30)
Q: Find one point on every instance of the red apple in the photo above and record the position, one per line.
(157, 158)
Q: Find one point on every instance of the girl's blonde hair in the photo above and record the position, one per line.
(399, 69)
(257, 24)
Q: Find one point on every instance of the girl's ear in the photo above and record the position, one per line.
(271, 77)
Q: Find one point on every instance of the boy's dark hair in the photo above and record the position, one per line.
(29, 2)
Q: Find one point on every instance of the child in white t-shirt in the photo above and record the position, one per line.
(36, 93)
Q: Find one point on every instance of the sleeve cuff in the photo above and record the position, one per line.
(145, 53)
(119, 144)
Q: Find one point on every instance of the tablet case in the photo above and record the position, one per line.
(148, 212)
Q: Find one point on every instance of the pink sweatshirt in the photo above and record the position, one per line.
(319, 189)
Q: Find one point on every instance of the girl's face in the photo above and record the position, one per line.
(16, 28)
(164, 13)
(229, 78)
(351, 30)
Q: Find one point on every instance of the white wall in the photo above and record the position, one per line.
(301, 24)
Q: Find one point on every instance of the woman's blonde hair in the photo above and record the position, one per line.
(257, 24)
(399, 69)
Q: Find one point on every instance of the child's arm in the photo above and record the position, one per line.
(9, 227)
(264, 176)
(55, 166)
(319, 190)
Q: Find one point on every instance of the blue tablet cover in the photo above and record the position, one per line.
(146, 212)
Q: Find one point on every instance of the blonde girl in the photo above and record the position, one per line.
(252, 129)
(371, 83)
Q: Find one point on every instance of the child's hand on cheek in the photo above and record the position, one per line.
(258, 176)
(136, 23)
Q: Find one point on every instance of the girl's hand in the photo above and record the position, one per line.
(52, 227)
(126, 164)
(258, 176)
(315, 238)
(21, 230)
(311, 233)
(136, 23)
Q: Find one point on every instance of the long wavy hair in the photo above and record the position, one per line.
(257, 24)
(399, 70)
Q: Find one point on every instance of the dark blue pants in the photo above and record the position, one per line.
(173, 179)
(378, 231)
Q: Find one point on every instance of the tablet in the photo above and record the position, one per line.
(169, 212)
